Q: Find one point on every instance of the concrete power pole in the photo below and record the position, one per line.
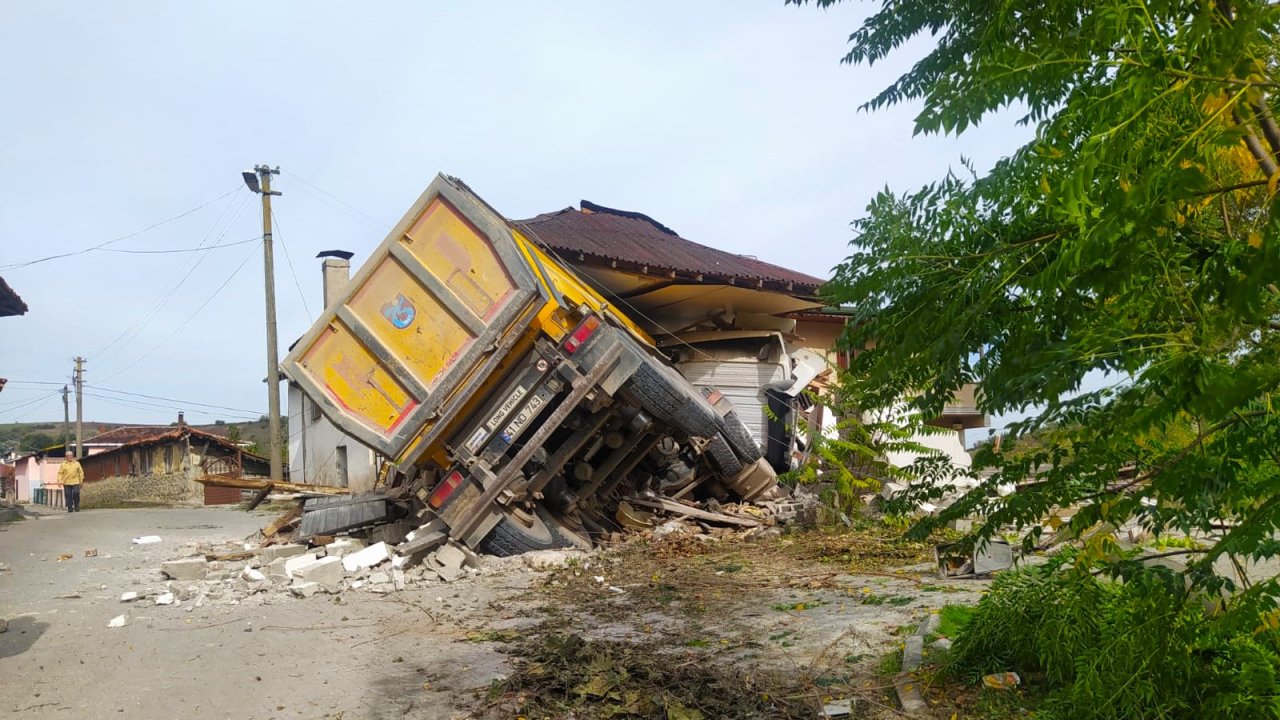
(79, 407)
(260, 182)
(66, 419)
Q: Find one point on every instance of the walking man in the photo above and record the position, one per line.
(71, 475)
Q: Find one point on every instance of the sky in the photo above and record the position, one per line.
(732, 122)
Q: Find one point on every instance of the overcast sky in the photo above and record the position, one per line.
(731, 122)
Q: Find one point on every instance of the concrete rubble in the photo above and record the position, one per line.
(290, 567)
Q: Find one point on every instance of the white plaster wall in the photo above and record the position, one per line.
(313, 449)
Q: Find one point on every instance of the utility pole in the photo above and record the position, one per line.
(66, 419)
(79, 407)
(259, 181)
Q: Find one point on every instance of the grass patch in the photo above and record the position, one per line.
(952, 619)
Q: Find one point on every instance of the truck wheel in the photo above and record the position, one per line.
(665, 394)
(723, 460)
(514, 535)
(739, 438)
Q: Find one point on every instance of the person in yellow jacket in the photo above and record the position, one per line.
(71, 475)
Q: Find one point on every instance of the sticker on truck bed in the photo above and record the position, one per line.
(523, 418)
(477, 439)
(505, 409)
(400, 312)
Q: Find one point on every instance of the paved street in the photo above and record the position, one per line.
(320, 657)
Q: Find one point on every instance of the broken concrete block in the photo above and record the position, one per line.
(146, 539)
(129, 596)
(304, 589)
(118, 621)
(343, 546)
(421, 543)
(380, 578)
(550, 559)
(450, 557)
(276, 571)
(913, 653)
(391, 533)
(366, 558)
(449, 574)
(251, 575)
(275, 552)
(165, 599)
(189, 569)
(293, 564)
(398, 579)
(325, 571)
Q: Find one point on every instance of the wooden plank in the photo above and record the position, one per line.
(259, 496)
(256, 484)
(676, 508)
(288, 518)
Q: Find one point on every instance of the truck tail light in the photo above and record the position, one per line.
(579, 336)
(445, 489)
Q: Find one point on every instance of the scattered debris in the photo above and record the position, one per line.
(837, 709)
(146, 540)
(189, 569)
(91, 552)
(992, 556)
(129, 596)
(65, 556)
(118, 621)
(165, 599)
(1001, 681)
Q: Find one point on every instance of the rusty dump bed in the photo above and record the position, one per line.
(419, 322)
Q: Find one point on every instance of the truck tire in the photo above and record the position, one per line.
(739, 438)
(722, 458)
(663, 393)
(511, 536)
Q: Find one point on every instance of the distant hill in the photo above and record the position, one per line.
(26, 437)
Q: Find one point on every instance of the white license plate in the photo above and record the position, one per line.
(521, 420)
(505, 409)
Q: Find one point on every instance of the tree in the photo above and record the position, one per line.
(34, 441)
(1135, 237)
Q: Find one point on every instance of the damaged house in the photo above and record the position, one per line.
(163, 465)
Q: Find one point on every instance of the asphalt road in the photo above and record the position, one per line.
(355, 655)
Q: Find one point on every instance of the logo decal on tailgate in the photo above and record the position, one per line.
(400, 312)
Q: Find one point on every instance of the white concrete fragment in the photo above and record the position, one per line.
(379, 578)
(342, 547)
(146, 540)
(397, 578)
(251, 575)
(398, 561)
(129, 596)
(118, 621)
(294, 564)
(275, 552)
(366, 558)
(189, 569)
(304, 589)
(325, 571)
(450, 556)
(165, 599)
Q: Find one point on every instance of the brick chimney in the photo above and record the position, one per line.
(336, 273)
(182, 421)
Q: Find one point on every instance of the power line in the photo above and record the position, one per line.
(289, 260)
(171, 289)
(189, 317)
(24, 403)
(102, 245)
(183, 250)
(380, 224)
(176, 400)
(165, 407)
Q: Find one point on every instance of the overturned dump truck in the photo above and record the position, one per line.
(517, 406)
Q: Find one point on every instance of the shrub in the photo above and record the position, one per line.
(1141, 648)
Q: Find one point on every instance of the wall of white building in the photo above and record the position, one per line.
(321, 454)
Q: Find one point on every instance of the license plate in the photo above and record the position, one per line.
(522, 419)
(505, 409)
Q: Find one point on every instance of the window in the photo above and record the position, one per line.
(315, 411)
(341, 465)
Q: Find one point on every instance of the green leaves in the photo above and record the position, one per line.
(1135, 239)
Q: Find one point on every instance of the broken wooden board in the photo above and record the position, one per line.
(287, 519)
(682, 510)
(259, 484)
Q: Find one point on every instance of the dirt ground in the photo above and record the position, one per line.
(815, 613)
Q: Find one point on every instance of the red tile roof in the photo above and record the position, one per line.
(128, 434)
(636, 241)
(10, 303)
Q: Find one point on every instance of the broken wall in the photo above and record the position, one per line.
(126, 490)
